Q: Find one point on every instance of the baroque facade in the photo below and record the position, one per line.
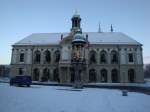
(109, 56)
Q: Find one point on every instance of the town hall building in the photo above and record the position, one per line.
(103, 57)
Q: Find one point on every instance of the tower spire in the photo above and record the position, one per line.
(99, 28)
(111, 28)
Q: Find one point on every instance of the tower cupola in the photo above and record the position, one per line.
(76, 20)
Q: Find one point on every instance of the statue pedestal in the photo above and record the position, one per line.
(77, 85)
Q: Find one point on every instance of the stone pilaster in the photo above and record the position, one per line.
(52, 57)
(139, 74)
(29, 57)
(51, 74)
(87, 77)
(42, 57)
(40, 74)
(109, 58)
(68, 74)
(14, 56)
(122, 57)
(98, 58)
(139, 56)
(98, 76)
(109, 80)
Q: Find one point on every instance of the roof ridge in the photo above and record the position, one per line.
(102, 32)
(52, 33)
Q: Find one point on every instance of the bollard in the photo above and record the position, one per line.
(124, 93)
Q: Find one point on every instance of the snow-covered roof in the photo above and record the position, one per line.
(110, 38)
(93, 37)
(41, 39)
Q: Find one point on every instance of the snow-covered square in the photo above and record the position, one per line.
(64, 99)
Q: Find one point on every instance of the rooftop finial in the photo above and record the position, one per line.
(76, 12)
(99, 28)
(111, 29)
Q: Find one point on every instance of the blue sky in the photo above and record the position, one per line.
(20, 18)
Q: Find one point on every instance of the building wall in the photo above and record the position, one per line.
(4, 70)
(63, 70)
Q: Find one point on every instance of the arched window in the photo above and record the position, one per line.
(21, 57)
(36, 74)
(103, 57)
(21, 71)
(103, 75)
(46, 74)
(114, 57)
(56, 75)
(114, 75)
(131, 75)
(130, 57)
(37, 56)
(92, 75)
(92, 57)
(57, 56)
(47, 55)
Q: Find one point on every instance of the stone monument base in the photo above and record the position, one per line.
(77, 85)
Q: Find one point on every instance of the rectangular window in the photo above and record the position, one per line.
(130, 55)
(20, 71)
(22, 57)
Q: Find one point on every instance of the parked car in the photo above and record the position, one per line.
(21, 80)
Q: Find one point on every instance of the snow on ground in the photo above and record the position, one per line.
(62, 99)
(4, 79)
(146, 84)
